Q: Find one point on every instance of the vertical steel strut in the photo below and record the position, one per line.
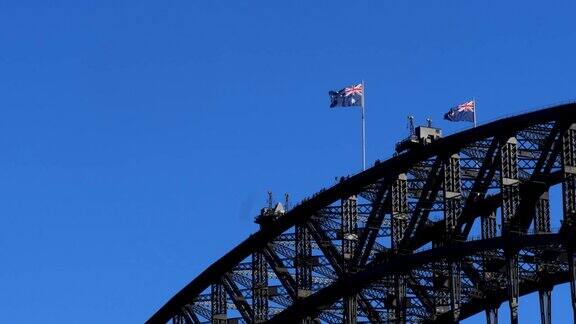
(303, 264)
(509, 186)
(492, 315)
(349, 229)
(399, 210)
(452, 211)
(545, 296)
(569, 202)
(259, 287)
(542, 225)
(542, 219)
(219, 307)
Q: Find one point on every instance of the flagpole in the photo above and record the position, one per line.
(474, 101)
(363, 128)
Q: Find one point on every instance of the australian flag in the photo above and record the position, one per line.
(350, 96)
(462, 112)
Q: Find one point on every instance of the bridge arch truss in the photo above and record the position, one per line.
(433, 235)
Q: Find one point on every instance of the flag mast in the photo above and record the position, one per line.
(364, 127)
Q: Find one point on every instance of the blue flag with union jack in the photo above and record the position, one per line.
(347, 97)
(462, 112)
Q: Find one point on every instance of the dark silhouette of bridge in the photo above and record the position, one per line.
(396, 243)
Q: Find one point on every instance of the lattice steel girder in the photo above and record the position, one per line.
(259, 287)
(303, 262)
(509, 183)
(355, 283)
(499, 296)
(542, 219)
(455, 289)
(480, 208)
(568, 160)
(349, 231)
(452, 194)
(400, 300)
(513, 284)
(481, 184)
(420, 291)
(325, 244)
(572, 278)
(399, 209)
(488, 225)
(452, 211)
(203, 311)
(368, 236)
(190, 316)
(549, 149)
(238, 298)
(447, 286)
(427, 198)
(569, 170)
(386, 170)
(350, 310)
(332, 255)
(281, 272)
(533, 190)
(219, 305)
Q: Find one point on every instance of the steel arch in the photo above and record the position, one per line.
(510, 164)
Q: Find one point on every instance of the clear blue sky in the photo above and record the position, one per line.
(138, 138)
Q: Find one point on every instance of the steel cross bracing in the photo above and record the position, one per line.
(435, 234)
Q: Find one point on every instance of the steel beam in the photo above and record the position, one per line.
(481, 183)
(400, 298)
(427, 197)
(178, 319)
(513, 285)
(545, 297)
(189, 316)
(455, 290)
(356, 282)
(219, 305)
(572, 279)
(335, 259)
(399, 220)
(303, 261)
(491, 315)
(568, 159)
(542, 219)
(281, 272)
(452, 211)
(348, 230)
(569, 170)
(259, 287)
(509, 184)
(488, 224)
(238, 298)
(399, 209)
(367, 238)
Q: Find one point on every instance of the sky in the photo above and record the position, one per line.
(139, 138)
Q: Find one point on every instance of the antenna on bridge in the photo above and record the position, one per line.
(411, 124)
(429, 121)
(286, 201)
(270, 201)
